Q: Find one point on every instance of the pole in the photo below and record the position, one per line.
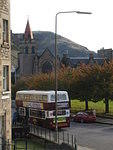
(56, 83)
(56, 55)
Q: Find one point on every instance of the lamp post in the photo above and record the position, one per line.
(56, 53)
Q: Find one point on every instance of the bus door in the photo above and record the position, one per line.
(27, 115)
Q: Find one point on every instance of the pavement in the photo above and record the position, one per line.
(101, 120)
(83, 148)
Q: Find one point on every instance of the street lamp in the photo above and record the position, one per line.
(56, 52)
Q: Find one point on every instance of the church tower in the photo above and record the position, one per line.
(28, 39)
(5, 74)
(28, 59)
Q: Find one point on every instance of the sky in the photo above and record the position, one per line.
(93, 31)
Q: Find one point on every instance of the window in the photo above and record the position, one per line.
(33, 112)
(44, 97)
(60, 112)
(60, 97)
(5, 30)
(5, 78)
(52, 97)
(37, 113)
(22, 111)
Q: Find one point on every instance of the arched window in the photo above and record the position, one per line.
(47, 67)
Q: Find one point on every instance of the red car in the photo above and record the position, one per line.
(85, 117)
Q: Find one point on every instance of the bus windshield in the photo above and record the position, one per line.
(60, 97)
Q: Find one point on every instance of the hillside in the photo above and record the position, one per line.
(44, 39)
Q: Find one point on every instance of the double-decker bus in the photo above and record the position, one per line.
(38, 107)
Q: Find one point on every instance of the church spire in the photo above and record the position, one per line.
(28, 35)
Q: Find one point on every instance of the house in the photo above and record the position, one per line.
(106, 53)
(76, 61)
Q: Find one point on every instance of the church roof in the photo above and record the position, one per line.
(74, 61)
(28, 35)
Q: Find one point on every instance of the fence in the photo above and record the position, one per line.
(19, 144)
(53, 136)
(47, 134)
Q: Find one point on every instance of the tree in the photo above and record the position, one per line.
(84, 83)
(104, 84)
(20, 85)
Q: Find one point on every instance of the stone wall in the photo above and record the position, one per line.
(5, 60)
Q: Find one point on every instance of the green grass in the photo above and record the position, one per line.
(77, 105)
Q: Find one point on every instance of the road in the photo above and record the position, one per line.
(95, 136)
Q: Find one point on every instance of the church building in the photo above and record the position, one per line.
(30, 62)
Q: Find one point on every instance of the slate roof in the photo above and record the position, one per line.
(75, 61)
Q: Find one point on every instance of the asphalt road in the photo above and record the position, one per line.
(95, 136)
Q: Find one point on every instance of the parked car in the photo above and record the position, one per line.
(88, 117)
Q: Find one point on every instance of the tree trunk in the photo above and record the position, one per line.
(106, 105)
(86, 103)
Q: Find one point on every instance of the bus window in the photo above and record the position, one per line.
(41, 114)
(37, 114)
(40, 97)
(33, 113)
(22, 111)
(61, 97)
(36, 97)
(44, 97)
(60, 112)
(52, 97)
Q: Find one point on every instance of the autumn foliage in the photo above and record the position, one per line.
(86, 82)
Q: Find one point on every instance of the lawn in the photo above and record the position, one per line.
(77, 105)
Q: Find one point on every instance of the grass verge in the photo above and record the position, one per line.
(77, 105)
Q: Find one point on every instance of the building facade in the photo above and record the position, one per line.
(30, 62)
(106, 53)
(5, 75)
(77, 61)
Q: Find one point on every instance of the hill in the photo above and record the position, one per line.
(45, 39)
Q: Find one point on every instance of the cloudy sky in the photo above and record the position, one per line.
(93, 31)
